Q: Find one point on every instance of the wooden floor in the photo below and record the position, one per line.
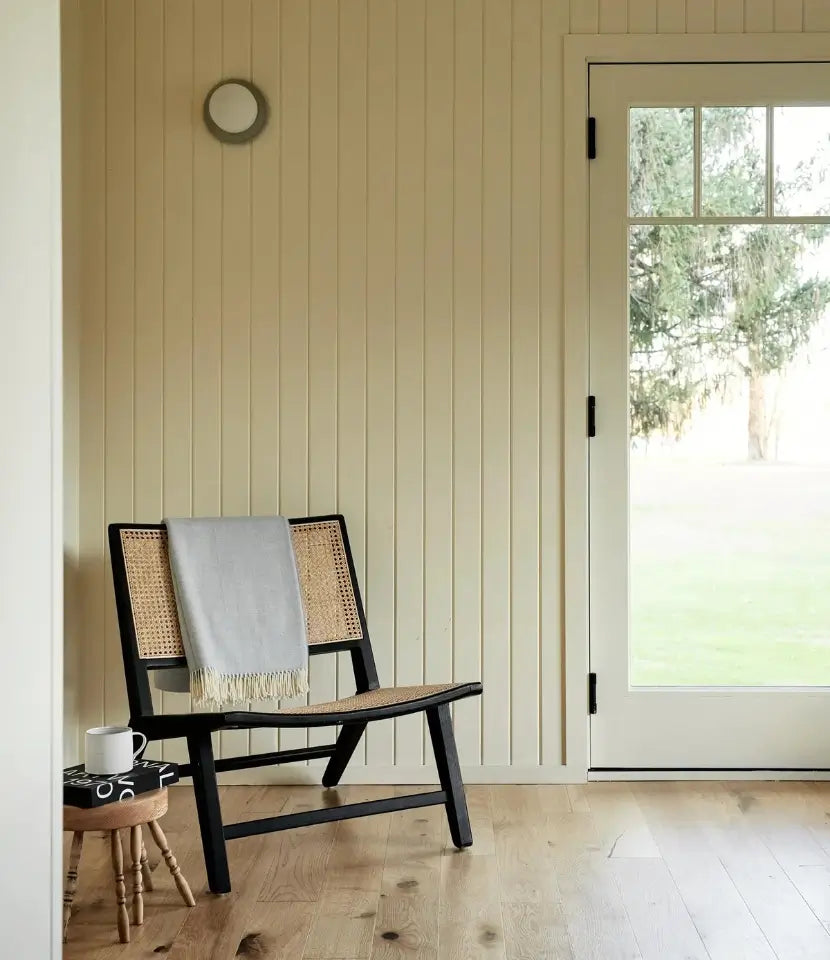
(607, 871)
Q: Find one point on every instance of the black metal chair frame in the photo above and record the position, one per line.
(197, 728)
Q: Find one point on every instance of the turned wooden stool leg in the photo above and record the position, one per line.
(138, 880)
(71, 879)
(120, 888)
(172, 866)
(146, 872)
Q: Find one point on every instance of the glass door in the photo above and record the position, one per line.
(710, 363)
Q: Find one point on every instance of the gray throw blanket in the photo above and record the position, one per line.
(240, 610)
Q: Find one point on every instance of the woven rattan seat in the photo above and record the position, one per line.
(373, 699)
(151, 639)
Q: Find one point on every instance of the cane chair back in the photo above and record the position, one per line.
(148, 616)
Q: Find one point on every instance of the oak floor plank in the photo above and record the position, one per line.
(299, 869)
(347, 910)
(534, 930)
(481, 822)
(470, 909)
(621, 827)
(413, 851)
(276, 931)
(406, 928)
(595, 918)
(661, 923)
(718, 911)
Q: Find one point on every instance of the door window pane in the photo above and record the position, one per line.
(729, 479)
(801, 148)
(661, 168)
(733, 143)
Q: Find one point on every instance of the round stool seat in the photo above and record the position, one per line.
(114, 816)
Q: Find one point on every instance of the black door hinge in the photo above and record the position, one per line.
(592, 416)
(592, 138)
(592, 693)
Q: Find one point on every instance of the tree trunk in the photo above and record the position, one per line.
(757, 420)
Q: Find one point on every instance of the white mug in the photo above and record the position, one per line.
(110, 750)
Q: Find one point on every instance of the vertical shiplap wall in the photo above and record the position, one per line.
(698, 16)
(358, 312)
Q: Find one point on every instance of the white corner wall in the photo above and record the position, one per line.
(30, 477)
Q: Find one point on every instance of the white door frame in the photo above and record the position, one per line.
(580, 52)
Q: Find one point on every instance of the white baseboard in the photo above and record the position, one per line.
(308, 774)
(633, 775)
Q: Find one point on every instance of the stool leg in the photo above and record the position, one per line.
(172, 865)
(138, 880)
(71, 879)
(120, 888)
(146, 872)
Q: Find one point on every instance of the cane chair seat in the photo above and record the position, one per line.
(382, 697)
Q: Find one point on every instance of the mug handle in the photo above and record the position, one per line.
(143, 743)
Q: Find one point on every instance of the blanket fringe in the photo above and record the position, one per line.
(208, 686)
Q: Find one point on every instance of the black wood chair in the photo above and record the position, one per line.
(150, 639)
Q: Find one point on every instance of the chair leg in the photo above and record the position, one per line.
(71, 879)
(200, 748)
(347, 741)
(172, 865)
(146, 872)
(449, 773)
(120, 887)
(138, 878)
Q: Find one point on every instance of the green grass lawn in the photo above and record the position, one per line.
(730, 574)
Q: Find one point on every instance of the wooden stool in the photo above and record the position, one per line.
(112, 817)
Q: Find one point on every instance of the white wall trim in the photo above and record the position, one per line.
(31, 494)
(656, 775)
(580, 52)
(301, 774)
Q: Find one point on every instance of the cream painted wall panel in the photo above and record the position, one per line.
(551, 374)
(206, 436)
(323, 342)
(671, 16)
(495, 373)
(352, 175)
(700, 16)
(759, 16)
(207, 271)
(237, 212)
(148, 464)
(613, 16)
(789, 16)
(71, 133)
(642, 16)
(265, 287)
(294, 403)
(816, 16)
(585, 15)
(177, 482)
(380, 359)
(524, 347)
(92, 569)
(697, 16)
(729, 16)
(120, 310)
(409, 370)
(438, 341)
(467, 424)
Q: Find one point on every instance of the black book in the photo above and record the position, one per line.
(82, 789)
